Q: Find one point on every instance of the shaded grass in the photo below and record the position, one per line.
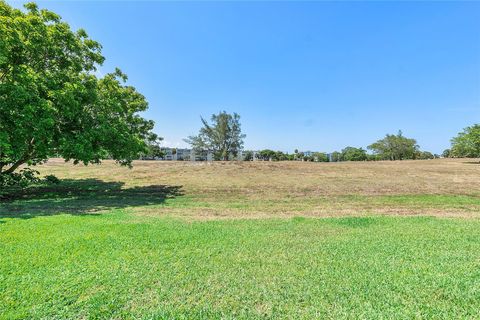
(85, 196)
(94, 196)
(442, 187)
(148, 243)
(115, 266)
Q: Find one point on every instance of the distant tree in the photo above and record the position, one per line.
(395, 147)
(248, 156)
(266, 155)
(280, 156)
(424, 155)
(467, 143)
(354, 154)
(154, 150)
(223, 137)
(297, 155)
(336, 156)
(446, 153)
(320, 157)
(373, 157)
(53, 104)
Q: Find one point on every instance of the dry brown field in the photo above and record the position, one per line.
(206, 190)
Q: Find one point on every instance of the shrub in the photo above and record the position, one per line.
(51, 179)
(15, 181)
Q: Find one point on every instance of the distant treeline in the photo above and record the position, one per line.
(347, 154)
(223, 139)
(392, 147)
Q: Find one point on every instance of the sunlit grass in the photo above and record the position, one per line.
(163, 242)
(115, 266)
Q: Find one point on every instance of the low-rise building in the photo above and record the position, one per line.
(176, 154)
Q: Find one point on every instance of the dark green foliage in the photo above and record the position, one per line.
(15, 181)
(320, 157)
(335, 156)
(353, 154)
(223, 137)
(248, 156)
(467, 143)
(11, 183)
(266, 155)
(154, 150)
(281, 156)
(395, 147)
(271, 155)
(51, 179)
(373, 157)
(52, 104)
(424, 155)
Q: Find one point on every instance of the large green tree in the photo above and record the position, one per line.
(395, 147)
(51, 101)
(266, 155)
(353, 154)
(223, 136)
(467, 143)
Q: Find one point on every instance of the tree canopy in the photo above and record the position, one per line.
(320, 156)
(353, 154)
(335, 156)
(51, 101)
(223, 136)
(425, 155)
(467, 143)
(267, 155)
(395, 147)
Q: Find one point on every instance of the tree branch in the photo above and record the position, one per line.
(14, 166)
(28, 154)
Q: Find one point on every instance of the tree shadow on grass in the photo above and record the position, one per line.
(82, 197)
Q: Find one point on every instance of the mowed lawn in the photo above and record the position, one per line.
(174, 240)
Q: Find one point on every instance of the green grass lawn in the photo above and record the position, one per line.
(298, 240)
(116, 265)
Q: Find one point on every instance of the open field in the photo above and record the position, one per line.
(259, 189)
(242, 240)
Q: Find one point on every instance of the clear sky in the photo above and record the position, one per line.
(309, 75)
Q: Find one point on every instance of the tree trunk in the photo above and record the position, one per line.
(26, 156)
(14, 166)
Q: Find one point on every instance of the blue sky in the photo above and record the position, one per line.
(308, 75)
